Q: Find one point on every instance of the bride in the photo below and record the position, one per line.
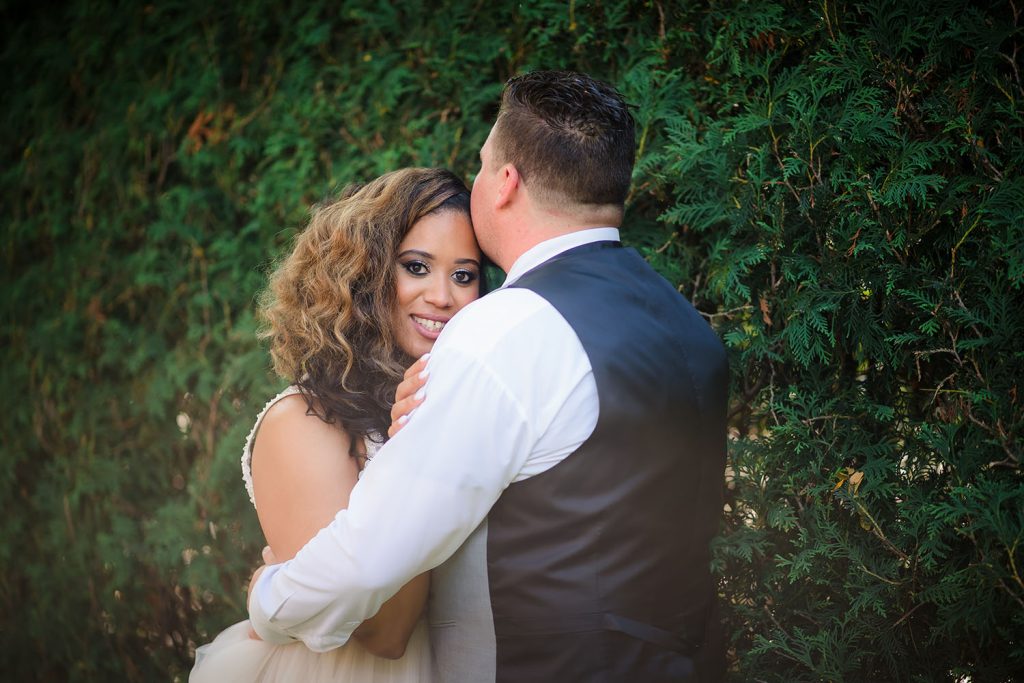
(368, 287)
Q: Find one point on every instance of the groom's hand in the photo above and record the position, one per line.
(268, 558)
(409, 394)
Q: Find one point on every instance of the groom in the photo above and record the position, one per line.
(564, 475)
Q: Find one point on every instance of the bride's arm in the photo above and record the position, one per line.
(387, 633)
(302, 476)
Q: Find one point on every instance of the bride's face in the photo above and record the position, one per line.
(437, 272)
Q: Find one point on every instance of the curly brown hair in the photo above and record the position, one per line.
(327, 310)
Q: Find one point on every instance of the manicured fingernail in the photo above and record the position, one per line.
(420, 394)
(402, 420)
(425, 356)
(425, 374)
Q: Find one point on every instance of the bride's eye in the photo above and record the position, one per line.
(416, 267)
(464, 277)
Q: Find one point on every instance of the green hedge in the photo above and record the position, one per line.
(837, 186)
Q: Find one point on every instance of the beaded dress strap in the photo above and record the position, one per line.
(247, 451)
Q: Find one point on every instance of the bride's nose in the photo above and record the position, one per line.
(439, 293)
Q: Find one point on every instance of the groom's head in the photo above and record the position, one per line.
(569, 140)
(570, 136)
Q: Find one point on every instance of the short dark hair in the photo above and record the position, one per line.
(568, 134)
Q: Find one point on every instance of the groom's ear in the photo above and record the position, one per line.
(509, 186)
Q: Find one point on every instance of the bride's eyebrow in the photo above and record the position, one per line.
(417, 252)
(430, 257)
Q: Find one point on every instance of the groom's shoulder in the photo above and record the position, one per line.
(501, 315)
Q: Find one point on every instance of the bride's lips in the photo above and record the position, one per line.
(429, 326)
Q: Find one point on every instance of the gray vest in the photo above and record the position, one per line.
(598, 569)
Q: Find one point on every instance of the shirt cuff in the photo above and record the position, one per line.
(261, 619)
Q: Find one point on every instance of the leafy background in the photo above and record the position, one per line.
(837, 186)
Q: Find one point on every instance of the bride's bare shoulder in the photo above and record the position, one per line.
(302, 474)
(289, 426)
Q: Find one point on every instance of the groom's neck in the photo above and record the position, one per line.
(540, 224)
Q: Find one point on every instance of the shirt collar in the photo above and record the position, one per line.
(548, 249)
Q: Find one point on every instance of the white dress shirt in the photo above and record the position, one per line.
(510, 394)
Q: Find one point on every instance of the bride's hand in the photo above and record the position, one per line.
(268, 558)
(409, 394)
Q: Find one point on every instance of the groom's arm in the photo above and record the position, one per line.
(420, 498)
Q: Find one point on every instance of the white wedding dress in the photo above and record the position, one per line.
(233, 656)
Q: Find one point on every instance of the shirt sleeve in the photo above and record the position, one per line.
(417, 501)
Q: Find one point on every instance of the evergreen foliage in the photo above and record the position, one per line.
(837, 187)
